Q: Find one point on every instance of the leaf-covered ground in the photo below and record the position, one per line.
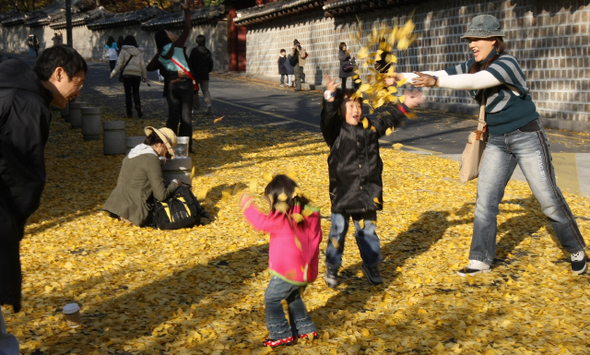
(200, 290)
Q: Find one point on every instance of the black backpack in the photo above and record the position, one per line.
(181, 210)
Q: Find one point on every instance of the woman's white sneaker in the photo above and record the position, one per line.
(473, 268)
(579, 262)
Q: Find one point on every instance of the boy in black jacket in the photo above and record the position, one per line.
(282, 69)
(355, 168)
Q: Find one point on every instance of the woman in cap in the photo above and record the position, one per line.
(141, 177)
(516, 137)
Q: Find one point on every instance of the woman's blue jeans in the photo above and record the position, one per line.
(366, 238)
(277, 324)
(530, 150)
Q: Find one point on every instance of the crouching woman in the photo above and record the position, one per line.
(141, 178)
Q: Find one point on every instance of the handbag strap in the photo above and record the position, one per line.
(482, 124)
(187, 73)
(124, 66)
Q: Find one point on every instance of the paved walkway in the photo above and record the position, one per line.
(434, 132)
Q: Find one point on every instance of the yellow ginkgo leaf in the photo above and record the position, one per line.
(365, 123)
(283, 196)
(362, 223)
(389, 131)
(297, 217)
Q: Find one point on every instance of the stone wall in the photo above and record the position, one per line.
(90, 44)
(550, 38)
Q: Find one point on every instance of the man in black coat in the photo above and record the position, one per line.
(25, 96)
(201, 64)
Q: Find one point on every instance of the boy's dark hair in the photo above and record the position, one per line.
(59, 56)
(200, 40)
(342, 45)
(283, 184)
(161, 39)
(342, 95)
(282, 51)
(152, 139)
(130, 41)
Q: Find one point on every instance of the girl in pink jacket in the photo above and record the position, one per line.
(295, 236)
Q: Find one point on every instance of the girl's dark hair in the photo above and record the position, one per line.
(110, 41)
(152, 139)
(59, 56)
(130, 41)
(282, 184)
(342, 45)
(162, 39)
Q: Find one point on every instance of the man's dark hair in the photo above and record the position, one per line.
(130, 41)
(200, 40)
(59, 56)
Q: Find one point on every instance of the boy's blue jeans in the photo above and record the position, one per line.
(277, 324)
(530, 150)
(366, 238)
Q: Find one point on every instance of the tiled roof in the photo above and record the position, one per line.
(274, 10)
(126, 18)
(58, 22)
(176, 19)
(348, 7)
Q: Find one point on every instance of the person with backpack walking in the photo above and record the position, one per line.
(179, 83)
(295, 236)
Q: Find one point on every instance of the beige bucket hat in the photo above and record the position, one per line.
(166, 135)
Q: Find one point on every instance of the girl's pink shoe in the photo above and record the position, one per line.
(275, 343)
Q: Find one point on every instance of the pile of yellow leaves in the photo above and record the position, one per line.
(201, 290)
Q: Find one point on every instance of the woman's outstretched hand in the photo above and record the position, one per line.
(413, 98)
(423, 80)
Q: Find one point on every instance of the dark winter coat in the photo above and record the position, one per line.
(281, 63)
(344, 58)
(200, 62)
(354, 163)
(288, 66)
(24, 129)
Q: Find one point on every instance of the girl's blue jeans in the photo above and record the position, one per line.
(277, 324)
(366, 238)
(530, 150)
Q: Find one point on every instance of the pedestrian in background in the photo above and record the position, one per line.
(516, 137)
(25, 97)
(57, 38)
(299, 56)
(290, 71)
(201, 63)
(346, 67)
(33, 43)
(112, 50)
(293, 255)
(178, 81)
(132, 67)
(281, 63)
(120, 41)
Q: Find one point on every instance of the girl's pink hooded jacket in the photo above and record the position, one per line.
(294, 247)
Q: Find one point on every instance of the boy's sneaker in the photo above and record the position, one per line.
(275, 343)
(306, 336)
(372, 273)
(579, 262)
(282, 85)
(208, 112)
(473, 268)
(331, 277)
